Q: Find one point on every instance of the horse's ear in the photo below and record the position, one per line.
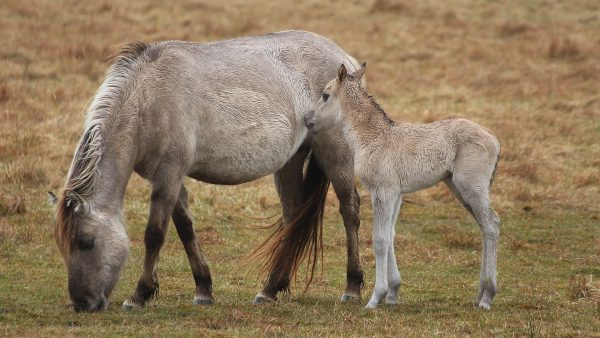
(74, 202)
(342, 72)
(52, 199)
(361, 72)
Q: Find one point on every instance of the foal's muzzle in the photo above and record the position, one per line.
(309, 120)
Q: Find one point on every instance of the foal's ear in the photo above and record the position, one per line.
(361, 72)
(342, 72)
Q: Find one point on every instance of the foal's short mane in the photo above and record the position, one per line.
(111, 95)
(361, 90)
(378, 108)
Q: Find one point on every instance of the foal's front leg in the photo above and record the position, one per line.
(164, 197)
(383, 208)
(393, 275)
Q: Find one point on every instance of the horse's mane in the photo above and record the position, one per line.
(83, 174)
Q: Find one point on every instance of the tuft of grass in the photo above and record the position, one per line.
(462, 239)
(509, 29)
(12, 205)
(583, 287)
(565, 48)
(388, 6)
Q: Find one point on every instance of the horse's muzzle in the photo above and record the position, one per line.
(88, 305)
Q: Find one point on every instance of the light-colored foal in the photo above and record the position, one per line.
(394, 158)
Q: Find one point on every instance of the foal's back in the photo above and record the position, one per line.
(412, 157)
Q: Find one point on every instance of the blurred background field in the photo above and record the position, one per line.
(528, 71)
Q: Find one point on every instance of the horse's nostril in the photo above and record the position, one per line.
(80, 306)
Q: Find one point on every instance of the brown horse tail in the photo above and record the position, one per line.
(302, 238)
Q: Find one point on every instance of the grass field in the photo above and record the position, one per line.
(527, 70)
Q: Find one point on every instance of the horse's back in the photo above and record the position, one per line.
(233, 108)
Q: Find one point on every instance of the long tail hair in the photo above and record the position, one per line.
(302, 238)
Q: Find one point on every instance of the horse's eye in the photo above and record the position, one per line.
(325, 97)
(86, 244)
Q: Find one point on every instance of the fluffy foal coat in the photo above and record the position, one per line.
(394, 158)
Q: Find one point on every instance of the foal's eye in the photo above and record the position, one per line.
(86, 244)
(325, 97)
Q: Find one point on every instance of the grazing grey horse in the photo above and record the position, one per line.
(395, 158)
(224, 112)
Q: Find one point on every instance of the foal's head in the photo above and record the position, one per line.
(329, 109)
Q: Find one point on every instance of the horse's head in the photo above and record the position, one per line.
(328, 111)
(94, 245)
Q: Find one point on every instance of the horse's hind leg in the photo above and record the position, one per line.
(164, 196)
(289, 186)
(474, 194)
(339, 166)
(185, 230)
(350, 211)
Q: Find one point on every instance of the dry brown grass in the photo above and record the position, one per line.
(528, 71)
(583, 287)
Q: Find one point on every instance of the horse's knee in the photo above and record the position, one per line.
(154, 237)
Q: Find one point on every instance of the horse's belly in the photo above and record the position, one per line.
(244, 153)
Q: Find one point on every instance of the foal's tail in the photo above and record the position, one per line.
(302, 238)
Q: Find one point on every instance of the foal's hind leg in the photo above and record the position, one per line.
(164, 197)
(185, 230)
(474, 194)
(289, 185)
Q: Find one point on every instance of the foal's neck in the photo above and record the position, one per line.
(366, 119)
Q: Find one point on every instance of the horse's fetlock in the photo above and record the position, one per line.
(489, 286)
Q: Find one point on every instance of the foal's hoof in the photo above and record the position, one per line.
(263, 299)
(203, 300)
(130, 305)
(346, 298)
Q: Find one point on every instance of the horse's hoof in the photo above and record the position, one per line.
(346, 298)
(203, 300)
(130, 305)
(371, 306)
(262, 299)
(485, 306)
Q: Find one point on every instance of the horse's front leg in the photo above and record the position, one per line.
(383, 207)
(164, 197)
(185, 230)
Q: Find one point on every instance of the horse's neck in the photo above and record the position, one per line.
(366, 122)
(114, 169)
